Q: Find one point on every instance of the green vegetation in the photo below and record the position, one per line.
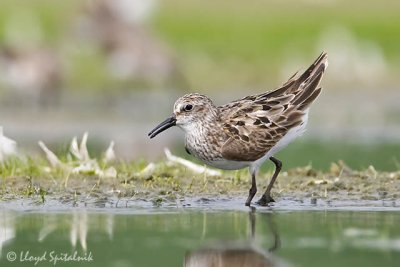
(166, 183)
(217, 44)
(241, 44)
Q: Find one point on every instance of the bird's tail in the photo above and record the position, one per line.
(306, 87)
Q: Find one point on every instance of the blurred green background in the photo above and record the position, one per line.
(217, 44)
(115, 68)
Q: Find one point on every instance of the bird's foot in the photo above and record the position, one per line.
(265, 200)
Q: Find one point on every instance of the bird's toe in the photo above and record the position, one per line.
(265, 200)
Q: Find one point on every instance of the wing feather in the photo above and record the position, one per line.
(255, 124)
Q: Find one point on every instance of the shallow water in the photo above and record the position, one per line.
(308, 235)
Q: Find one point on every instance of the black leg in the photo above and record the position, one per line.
(252, 218)
(274, 231)
(266, 197)
(253, 189)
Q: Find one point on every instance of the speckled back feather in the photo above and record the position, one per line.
(256, 123)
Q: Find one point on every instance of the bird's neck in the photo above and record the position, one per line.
(204, 127)
(202, 138)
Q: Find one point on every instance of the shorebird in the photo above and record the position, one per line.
(248, 131)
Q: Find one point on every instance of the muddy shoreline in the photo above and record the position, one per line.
(171, 187)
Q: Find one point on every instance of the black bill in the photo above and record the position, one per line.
(163, 126)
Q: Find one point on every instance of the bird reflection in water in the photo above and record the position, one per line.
(244, 254)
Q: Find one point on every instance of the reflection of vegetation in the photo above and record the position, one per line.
(115, 238)
(316, 238)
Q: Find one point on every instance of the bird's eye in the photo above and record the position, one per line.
(188, 107)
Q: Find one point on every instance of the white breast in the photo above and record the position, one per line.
(228, 164)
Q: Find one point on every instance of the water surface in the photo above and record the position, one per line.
(200, 236)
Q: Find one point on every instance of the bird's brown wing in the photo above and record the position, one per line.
(256, 123)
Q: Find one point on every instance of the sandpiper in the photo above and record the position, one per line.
(248, 131)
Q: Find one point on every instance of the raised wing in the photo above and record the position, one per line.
(256, 123)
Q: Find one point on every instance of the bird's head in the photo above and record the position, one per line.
(189, 112)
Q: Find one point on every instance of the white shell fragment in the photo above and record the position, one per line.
(8, 147)
(148, 171)
(190, 165)
(109, 156)
(82, 164)
(51, 157)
